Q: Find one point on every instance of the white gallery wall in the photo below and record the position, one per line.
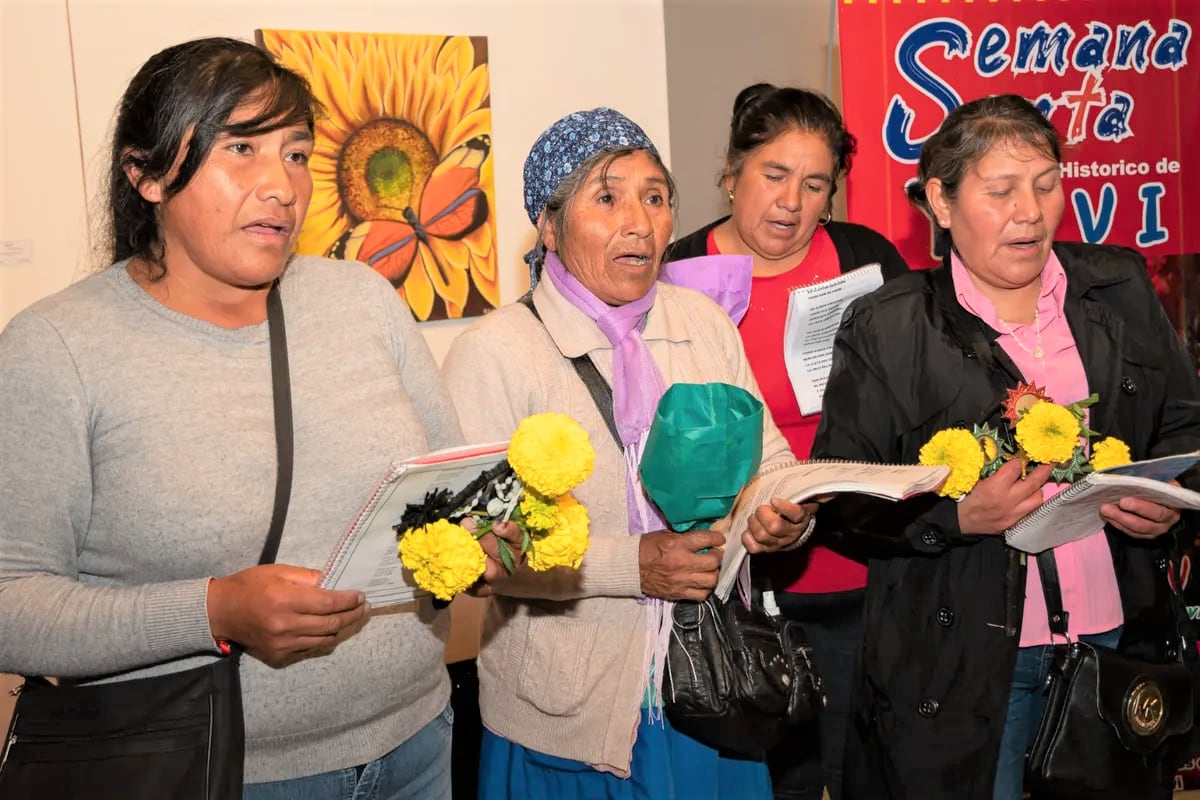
(716, 48)
(42, 221)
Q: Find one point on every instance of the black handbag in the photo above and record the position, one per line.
(178, 736)
(1114, 726)
(738, 679)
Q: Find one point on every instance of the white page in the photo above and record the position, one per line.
(1163, 468)
(813, 315)
(366, 558)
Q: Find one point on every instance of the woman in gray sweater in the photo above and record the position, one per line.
(137, 446)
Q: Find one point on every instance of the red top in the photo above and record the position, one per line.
(813, 569)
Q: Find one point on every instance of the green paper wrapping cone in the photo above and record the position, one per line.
(704, 444)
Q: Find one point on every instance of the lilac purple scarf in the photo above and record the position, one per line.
(637, 387)
(725, 279)
(637, 382)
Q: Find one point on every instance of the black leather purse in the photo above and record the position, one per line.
(738, 679)
(180, 735)
(1114, 726)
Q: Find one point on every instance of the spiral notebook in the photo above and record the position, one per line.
(802, 480)
(1074, 513)
(366, 557)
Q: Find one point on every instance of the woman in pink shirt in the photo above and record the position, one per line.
(957, 638)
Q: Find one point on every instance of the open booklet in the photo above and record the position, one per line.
(803, 480)
(813, 316)
(1074, 513)
(366, 557)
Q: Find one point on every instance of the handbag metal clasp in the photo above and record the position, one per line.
(1145, 707)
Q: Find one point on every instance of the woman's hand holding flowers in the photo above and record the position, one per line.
(999, 501)
(680, 566)
(777, 526)
(494, 568)
(998, 482)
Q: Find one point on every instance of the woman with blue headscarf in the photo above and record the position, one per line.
(571, 661)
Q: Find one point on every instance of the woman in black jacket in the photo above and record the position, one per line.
(787, 150)
(956, 627)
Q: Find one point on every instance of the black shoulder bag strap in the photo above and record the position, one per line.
(597, 387)
(1048, 571)
(281, 390)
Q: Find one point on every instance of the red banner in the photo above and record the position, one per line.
(1116, 77)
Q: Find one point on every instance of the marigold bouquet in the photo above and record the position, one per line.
(1036, 431)
(548, 456)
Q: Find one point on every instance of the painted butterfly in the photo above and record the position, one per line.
(452, 206)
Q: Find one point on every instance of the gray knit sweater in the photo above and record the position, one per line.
(137, 458)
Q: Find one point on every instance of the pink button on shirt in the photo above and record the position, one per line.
(1085, 568)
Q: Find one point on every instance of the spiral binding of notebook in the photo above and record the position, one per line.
(339, 552)
(1074, 513)
(1047, 509)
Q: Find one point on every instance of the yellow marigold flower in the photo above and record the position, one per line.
(565, 544)
(540, 512)
(551, 453)
(444, 558)
(1110, 452)
(959, 450)
(1048, 433)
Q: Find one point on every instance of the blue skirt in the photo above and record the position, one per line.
(666, 766)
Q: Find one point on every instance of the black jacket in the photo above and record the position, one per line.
(943, 610)
(857, 246)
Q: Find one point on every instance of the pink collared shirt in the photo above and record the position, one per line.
(1085, 569)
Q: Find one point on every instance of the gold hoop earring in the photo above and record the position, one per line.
(826, 218)
(730, 193)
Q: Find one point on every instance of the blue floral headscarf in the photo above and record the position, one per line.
(568, 143)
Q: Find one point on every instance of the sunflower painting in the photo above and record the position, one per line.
(402, 168)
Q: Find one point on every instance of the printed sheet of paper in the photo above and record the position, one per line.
(814, 313)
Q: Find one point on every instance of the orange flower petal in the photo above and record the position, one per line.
(487, 284)
(454, 260)
(456, 58)
(418, 291)
(476, 123)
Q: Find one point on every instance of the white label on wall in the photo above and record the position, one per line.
(16, 252)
